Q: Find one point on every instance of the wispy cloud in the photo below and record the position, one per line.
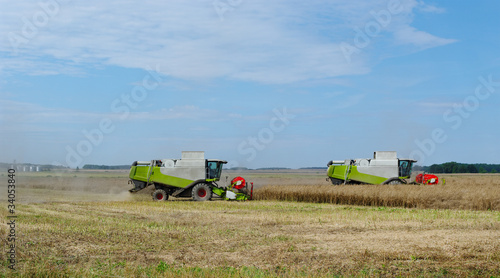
(420, 39)
(262, 41)
(430, 8)
(438, 104)
(16, 113)
(187, 112)
(24, 116)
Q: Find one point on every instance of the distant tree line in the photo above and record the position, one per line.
(105, 167)
(41, 167)
(455, 167)
(236, 168)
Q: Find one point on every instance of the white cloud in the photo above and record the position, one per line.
(421, 39)
(430, 8)
(270, 42)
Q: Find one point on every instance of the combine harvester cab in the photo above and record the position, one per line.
(383, 168)
(191, 176)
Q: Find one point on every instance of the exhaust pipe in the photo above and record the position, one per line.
(335, 162)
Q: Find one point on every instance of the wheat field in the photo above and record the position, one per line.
(470, 192)
(86, 224)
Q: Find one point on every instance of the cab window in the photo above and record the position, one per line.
(212, 169)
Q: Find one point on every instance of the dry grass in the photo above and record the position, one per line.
(261, 238)
(87, 224)
(471, 192)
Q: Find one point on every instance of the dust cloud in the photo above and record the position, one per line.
(73, 186)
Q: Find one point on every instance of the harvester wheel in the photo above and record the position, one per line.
(336, 181)
(160, 195)
(394, 181)
(201, 192)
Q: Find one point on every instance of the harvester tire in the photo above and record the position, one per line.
(336, 181)
(394, 181)
(160, 195)
(201, 192)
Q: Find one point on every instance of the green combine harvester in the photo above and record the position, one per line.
(191, 176)
(383, 168)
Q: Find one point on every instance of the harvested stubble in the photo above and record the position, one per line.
(249, 239)
(471, 193)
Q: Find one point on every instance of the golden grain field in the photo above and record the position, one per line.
(460, 192)
(86, 224)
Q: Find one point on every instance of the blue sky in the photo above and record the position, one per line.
(258, 83)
